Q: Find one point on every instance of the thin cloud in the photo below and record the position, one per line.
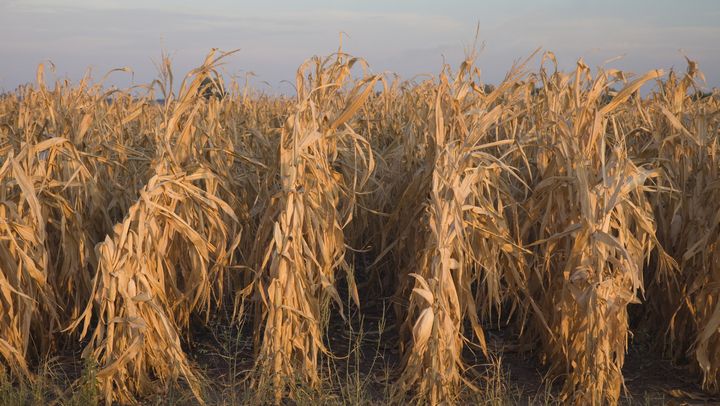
(409, 38)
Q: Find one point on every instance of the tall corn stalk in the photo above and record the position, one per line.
(300, 242)
(470, 264)
(165, 261)
(156, 268)
(46, 246)
(28, 298)
(596, 231)
(686, 138)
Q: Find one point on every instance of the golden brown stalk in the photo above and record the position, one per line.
(596, 232)
(470, 264)
(300, 242)
(156, 268)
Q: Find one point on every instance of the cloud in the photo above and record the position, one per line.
(610, 33)
(224, 17)
(409, 38)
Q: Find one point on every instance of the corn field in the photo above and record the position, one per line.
(567, 207)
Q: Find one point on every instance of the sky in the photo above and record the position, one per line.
(403, 36)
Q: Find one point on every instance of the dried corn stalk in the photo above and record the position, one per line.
(685, 142)
(157, 267)
(300, 242)
(470, 264)
(45, 248)
(596, 233)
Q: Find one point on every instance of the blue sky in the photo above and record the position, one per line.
(407, 37)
